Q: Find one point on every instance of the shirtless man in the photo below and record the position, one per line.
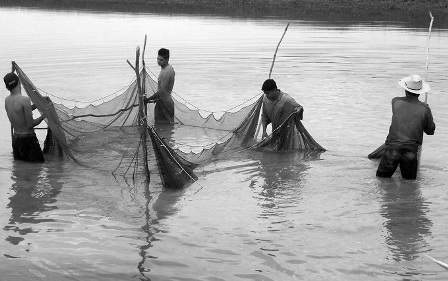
(164, 109)
(25, 144)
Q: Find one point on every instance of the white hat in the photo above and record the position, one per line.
(414, 84)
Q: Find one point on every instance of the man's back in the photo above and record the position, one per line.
(410, 119)
(279, 110)
(18, 109)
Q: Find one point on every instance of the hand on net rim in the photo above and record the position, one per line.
(146, 100)
(299, 110)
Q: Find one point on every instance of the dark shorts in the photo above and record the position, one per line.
(27, 148)
(164, 112)
(406, 158)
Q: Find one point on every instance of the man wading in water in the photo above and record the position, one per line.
(164, 109)
(277, 106)
(410, 118)
(25, 144)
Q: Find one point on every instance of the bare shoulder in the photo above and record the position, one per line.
(18, 100)
(169, 70)
(24, 100)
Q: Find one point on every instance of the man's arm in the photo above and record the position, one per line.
(152, 98)
(28, 114)
(264, 122)
(430, 126)
(299, 109)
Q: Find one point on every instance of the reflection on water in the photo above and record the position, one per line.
(157, 207)
(279, 182)
(407, 225)
(258, 216)
(35, 189)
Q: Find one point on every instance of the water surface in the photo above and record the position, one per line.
(250, 216)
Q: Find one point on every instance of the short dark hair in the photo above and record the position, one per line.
(269, 85)
(165, 53)
(11, 80)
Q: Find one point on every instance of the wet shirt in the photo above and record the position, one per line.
(276, 112)
(410, 118)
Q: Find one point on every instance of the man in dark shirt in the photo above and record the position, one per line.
(277, 106)
(410, 118)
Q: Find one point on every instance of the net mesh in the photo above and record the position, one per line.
(377, 153)
(290, 135)
(107, 136)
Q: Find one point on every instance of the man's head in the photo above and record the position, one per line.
(11, 80)
(270, 89)
(163, 57)
(164, 53)
(414, 84)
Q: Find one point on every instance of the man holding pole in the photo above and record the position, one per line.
(410, 118)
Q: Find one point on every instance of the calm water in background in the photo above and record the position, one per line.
(250, 216)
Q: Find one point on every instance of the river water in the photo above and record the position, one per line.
(251, 216)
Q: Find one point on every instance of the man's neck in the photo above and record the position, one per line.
(412, 97)
(16, 92)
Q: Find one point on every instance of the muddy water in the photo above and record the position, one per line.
(253, 216)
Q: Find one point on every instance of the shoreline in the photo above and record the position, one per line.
(413, 11)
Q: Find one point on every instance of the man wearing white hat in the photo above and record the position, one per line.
(410, 118)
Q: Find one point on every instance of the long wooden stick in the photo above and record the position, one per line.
(442, 264)
(141, 114)
(275, 54)
(270, 71)
(427, 52)
(12, 128)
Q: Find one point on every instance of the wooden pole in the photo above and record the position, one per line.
(13, 68)
(141, 113)
(270, 71)
(144, 86)
(427, 52)
(276, 49)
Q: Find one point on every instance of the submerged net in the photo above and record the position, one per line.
(290, 135)
(175, 171)
(107, 136)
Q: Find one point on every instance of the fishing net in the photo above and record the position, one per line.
(108, 135)
(290, 135)
(377, 153)
(175, 171)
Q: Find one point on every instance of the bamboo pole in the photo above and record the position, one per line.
(276, 49)
(143, 93)
(141, 114)
(270, 71)
(442, 264)
(427, 52)
(13, 68)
